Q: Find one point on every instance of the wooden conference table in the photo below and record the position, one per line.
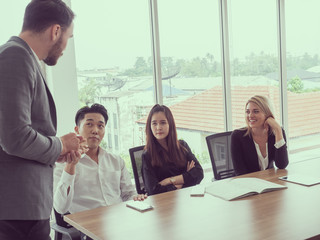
(292, 213)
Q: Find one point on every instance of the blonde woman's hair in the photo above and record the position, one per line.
(264, 105)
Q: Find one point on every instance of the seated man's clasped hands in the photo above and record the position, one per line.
(74, 145)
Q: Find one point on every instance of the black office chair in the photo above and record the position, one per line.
(62, 228)
(220, 155)
(136, 161)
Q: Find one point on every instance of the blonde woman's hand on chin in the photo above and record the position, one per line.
(275, 127)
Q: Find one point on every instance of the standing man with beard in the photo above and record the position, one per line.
(28, 145)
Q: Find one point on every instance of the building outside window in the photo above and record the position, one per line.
(116, 142)
(115, 121)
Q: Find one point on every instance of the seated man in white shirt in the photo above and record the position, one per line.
(95, 179)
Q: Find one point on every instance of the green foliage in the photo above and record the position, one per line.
(200, 67)
(203, 158)
(127, 160)
(208, 66)
(89, 92)
(295, 85)
(302, 62)
(254, 65)
(104, 144)
(140, 68)
(312, 90)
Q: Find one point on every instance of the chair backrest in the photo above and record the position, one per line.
(220, 155)
(59, 219)
(62, 230)
(136, 162)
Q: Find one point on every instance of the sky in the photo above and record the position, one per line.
(114, 33)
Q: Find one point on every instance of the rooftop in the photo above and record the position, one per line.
(204, 112)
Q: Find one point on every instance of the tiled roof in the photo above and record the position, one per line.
(204, 112)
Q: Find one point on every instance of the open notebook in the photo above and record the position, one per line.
(235, 188)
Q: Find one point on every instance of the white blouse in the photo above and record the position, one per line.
(93, 185)
(263, 162)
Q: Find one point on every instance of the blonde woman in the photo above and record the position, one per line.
(262, 142)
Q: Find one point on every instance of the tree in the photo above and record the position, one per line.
(295, 85)
(167, 66)
(89, 92)
(141, 66)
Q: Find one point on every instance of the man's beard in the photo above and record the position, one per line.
(54, 53)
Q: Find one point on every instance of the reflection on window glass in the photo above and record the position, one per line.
(303, 76)
(221, 152)
(113, 49)
(191, 69)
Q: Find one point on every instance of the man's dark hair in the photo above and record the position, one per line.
(41, 14)
(95, 108)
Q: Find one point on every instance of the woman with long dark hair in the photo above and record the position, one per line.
(262, 142)
(167, 163)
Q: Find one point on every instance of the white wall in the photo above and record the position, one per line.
(65, 88)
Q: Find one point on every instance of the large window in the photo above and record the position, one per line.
(191, 69)
(253, 55)
(303, 76)
(114, 67)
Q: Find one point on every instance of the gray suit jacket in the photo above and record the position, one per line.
(28, 146)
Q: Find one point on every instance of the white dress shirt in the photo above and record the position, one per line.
(263, 162)
(93, 185)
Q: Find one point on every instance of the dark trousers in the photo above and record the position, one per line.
(25, 229)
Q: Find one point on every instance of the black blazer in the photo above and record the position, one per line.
(153, 175)
(245, 157)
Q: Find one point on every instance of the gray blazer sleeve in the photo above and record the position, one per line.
(26, 129)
